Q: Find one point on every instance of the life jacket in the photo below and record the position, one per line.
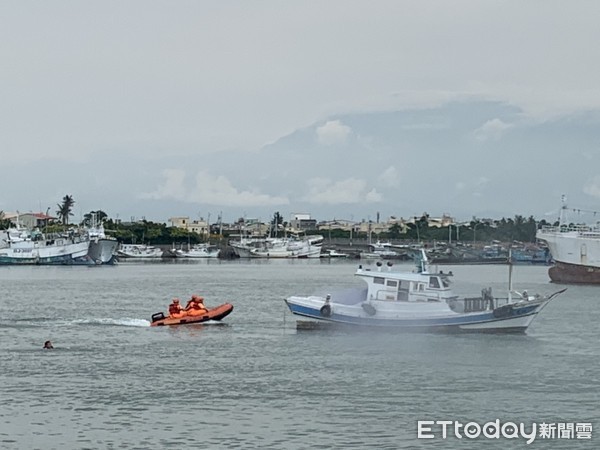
(197, 309)
(174, 308)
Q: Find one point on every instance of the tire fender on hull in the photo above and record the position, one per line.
(369, 309)
(325, 310)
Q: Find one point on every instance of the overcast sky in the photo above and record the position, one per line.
(123, 104)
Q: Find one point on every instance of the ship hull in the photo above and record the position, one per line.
(43, 255)
(574, 274)
(103, 251)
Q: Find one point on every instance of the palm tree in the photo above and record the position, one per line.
(64, 209)
(277, 220)
(4, 222)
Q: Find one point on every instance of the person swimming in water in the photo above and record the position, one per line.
(48, 345)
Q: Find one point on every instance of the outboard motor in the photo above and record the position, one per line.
(158, 316)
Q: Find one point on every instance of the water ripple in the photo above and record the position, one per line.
(254, 382)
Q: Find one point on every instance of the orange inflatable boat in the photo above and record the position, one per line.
(216, 313)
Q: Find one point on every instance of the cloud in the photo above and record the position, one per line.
(172, 187)
(482, 181)
(350, 190)
(209, 190)
(218, 190)
(390, 177)
(373, 196)
(491, 130)
(333, 132)
(592, 187)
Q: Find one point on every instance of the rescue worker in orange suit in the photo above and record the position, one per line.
(192, 300)
(196, 306)
(175, 309)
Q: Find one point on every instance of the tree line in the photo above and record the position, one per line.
(518, 228)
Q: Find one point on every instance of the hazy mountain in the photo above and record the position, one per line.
(483, 159)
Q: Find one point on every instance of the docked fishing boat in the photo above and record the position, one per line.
(198, 251)
(306, 247)
(575, 250)
(333, 253)
(20, 246)
(102, 248)
(381, 250)
(139, 251)
(217, 313)
(422, 300)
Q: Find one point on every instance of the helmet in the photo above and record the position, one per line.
(200, 299)
(194, 297)
(175, 300)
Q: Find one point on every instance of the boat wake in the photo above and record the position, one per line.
(42, 322)
(124, 322)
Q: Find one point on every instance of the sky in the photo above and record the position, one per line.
(338, 109)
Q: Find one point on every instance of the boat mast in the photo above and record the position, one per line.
(423, 265)
(510, 270)
(563, 211)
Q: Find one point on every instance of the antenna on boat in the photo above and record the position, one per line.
(510, 270)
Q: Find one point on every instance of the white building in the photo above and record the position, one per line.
(193, 226)
(302, 222)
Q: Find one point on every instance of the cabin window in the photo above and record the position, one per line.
(392, 283)
(379, 280)
(402, 293)
(434, 282)
(421, 287)
(446, 282)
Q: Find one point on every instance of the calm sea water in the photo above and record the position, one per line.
(255, 381)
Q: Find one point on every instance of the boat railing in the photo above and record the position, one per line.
(489, 303)
(478, 304)
(592, 231)
(65, 237)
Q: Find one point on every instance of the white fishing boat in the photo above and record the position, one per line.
(575, 249)
(420, 301)
(102, 248)
(19, 246)
(243, 246)
(198, 251)
(306, 247)
(381, 250)
(139, 251)
(333, 253)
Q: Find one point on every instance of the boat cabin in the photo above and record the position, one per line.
(386, 285)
